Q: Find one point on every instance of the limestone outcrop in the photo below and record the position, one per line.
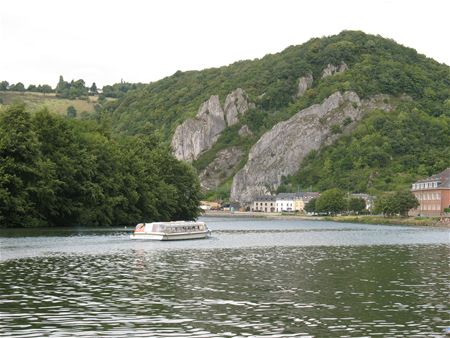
(332, 69)
(220, 168)
(198, 134)
(245, 131)
(236, 104)
(280, 151)
(304, 83)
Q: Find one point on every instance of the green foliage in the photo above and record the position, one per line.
(376, 65)
(72, 90)
(71, 112)
(18, 87)
(93, 90)
(387, 151)
(22, 170)
(331, 201)
(356, 204)
(56, 171)
(397, 203)
(5, 86)
(311, 205)
(118, 89)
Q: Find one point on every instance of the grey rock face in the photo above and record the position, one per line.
(245, 131)
(332, 69)
(236, 104)
(304, 83)
(280, 151)
(196, 135)
(222, 167)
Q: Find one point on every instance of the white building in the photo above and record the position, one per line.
(294, 201)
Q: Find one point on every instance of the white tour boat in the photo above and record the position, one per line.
(166, 231)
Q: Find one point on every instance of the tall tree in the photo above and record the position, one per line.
(93, 90)
(21, 168)
(331, 201)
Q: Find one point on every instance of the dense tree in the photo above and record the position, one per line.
(4, 85)
(21, 169)
(71, 112)
(45, 89)
(396, 203)
(93, 90)
(57, 171)
(356, 204)
(72, 90)
(331, 201)
(311, 205)
(18, 87)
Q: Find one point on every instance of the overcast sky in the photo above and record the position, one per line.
(143, 41)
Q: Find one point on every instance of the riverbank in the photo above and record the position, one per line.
(365, 219)
(395, 220)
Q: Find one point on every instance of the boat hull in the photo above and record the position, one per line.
(170, 237)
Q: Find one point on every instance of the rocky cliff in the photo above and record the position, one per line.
(304, 83)
(220, 168)
(236, 105)
(332, 69)
(198, 134)
(280, 151)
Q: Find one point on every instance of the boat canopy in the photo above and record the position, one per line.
(169, 227)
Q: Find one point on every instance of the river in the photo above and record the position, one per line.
(253, 278)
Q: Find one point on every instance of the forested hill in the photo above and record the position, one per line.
(374, 65)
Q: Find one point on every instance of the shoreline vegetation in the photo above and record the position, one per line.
(364, 219)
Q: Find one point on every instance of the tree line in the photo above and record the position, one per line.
(334, 201)
(20, 87)
(73, 89)
(56, 171)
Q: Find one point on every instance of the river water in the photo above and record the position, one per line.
(253, 278)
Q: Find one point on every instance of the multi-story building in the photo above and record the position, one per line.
(433, 194)
(294, 201)
(264, 204)
(302, 198)
(285, 201)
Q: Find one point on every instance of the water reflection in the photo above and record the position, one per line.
(206, 291)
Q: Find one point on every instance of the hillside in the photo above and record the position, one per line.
(358, 146)
(37, 101)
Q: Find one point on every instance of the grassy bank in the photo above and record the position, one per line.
(368, 219)
(37, 101)
(365, 219)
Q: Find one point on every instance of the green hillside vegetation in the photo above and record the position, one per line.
(387, 150)
(37, 101)
(57, 171)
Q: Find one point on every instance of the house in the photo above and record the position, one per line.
(264, 203)
(302, 198)
(294, 201)
(433, 194)
(285, 201)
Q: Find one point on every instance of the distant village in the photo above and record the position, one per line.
(432, 193)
